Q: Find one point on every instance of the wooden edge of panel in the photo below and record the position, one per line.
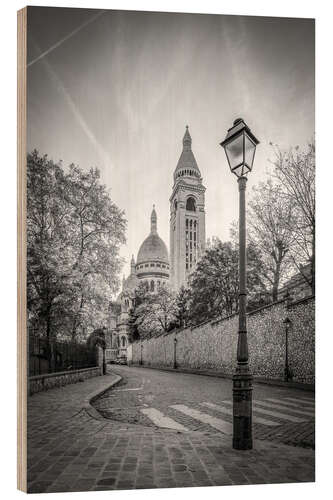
(21, 251)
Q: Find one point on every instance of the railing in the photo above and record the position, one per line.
(51, 356)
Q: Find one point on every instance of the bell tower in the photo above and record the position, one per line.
(187, 215)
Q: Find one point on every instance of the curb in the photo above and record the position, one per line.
(87, 403)
(273, 382)
(288, 385)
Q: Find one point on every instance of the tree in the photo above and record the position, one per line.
(155, 312)
(182, 306)
(134, 318)
(213, 285)
(164, 307)
(74, 233)
(49, 257)
(97, 339)
(270, 228)
(137, 315)
(295, 171)
(97, 229)
(133, 330)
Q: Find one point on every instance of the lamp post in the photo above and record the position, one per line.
(104, 349)
(240, 145)
(175, 353)
(287, 324)
(141, 353)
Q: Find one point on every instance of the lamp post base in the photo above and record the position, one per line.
(242, 409)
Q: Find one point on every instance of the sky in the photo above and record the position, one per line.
(115, 90)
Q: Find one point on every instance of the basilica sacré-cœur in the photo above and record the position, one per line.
(153, 265)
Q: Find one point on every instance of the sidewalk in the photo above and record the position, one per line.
(72, 448)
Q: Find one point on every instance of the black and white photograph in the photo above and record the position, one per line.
(170, 250)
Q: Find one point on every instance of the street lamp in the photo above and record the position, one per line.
(240, 145)
(287, 324)
(141, 353)
(175, 353)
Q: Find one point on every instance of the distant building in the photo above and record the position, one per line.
(152, 266)
(187, 215)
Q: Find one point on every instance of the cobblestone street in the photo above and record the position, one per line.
(155, 429)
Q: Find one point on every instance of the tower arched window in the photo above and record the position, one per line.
(152, 286)
(123, 341)
(190, 204)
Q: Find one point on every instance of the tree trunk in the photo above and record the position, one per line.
(276, 282)
(75, 319)
(48, 324)
(104, 362)
(313, 263)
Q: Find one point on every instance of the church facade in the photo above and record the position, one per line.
(153, 265)
(187, 216)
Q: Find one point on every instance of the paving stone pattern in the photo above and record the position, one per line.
(73, 448)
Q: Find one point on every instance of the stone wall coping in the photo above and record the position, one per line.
(162, 334)
(301, 301)
(249, 313)
(206, 322)
(267, 342)
(61, 374)
(267, 306)
(218, 319)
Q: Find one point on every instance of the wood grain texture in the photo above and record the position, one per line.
(22, 372)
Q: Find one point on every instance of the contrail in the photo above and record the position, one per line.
(104, 155)
(60, 42)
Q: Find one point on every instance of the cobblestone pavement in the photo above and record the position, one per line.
(72, 447)
(280, 414)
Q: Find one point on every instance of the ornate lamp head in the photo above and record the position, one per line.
(240, 146)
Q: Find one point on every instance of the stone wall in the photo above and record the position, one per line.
(47, 381)
(212, 345)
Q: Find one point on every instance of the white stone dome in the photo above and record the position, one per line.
(153, 249)
(153, 259)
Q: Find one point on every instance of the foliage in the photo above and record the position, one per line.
(270, 229)
(183, 311)
(154, 312)
(295, 172)
(74, 232)
(135, 315)
(97, 338)
(213, 285)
